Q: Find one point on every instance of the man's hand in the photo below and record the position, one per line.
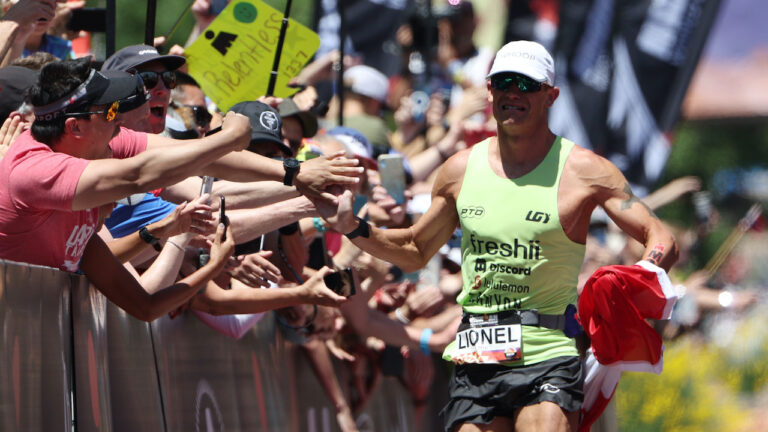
(316, 175)
(201, 10)
(239, 128)
(341, 217)
(26, 13)
(254, 270)
(315, 292)
(11, 129)
(194, 217)
(222, 249)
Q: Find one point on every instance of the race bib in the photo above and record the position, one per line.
(489, 344)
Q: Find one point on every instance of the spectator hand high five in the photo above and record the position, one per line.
(316, 175)
(340, 218)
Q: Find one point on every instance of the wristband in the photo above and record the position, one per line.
(400, 316)
(318, 223)
(424, 342)
(289, 229)
(177, 245)
(149, 238)
(362, 230)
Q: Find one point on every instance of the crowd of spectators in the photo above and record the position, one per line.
(105, 162)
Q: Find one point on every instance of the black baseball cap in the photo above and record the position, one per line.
(14, 83)
(308, 119)
(133, 56)
(97, 89)
(266, 125)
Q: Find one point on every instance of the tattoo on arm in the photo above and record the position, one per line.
(626, 204)
(656, 254)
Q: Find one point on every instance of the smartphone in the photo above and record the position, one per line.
(207, 185)
(88, 19)
(341, 282)
(392, 175)
(223, 216)
(217, 6)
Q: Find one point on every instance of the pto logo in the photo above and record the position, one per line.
(472, 212)
(537, 216)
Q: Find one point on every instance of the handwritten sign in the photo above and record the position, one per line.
(232, 60)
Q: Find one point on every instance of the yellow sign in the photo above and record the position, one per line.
(232, 60)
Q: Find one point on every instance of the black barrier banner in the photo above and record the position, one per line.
(623, 69)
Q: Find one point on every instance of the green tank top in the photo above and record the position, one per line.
(515, 254)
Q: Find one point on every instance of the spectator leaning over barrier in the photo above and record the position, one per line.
(310, 179)
(57, 175)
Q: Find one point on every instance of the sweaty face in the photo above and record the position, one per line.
(519, 110)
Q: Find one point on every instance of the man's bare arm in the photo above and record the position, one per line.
(106, 273)
(635, 218)
(410, 248)
(239, 195)
(108, 180)
(313, 178)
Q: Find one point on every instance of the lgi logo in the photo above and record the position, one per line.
(537, 216)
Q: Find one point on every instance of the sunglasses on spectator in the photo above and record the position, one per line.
(110, 113)
(151, 78)
(505, 81)
(202, 115)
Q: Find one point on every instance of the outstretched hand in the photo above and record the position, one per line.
(316, 175)
(340, 217)
(11, 129)
(315, 291)
(194, 217)
(254, 270)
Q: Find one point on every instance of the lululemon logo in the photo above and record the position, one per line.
(268, 120)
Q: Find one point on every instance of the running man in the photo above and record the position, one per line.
(524, 201)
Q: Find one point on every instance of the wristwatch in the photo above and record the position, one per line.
(362, 230)
(149, 238)
(291, 166)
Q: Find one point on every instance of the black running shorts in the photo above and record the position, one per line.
(481, 392)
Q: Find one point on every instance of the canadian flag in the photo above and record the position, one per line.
(613, 307)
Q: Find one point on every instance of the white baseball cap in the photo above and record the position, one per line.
(527, 58)
(367, 81)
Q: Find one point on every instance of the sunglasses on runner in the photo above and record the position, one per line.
(505, 81)
(151, 78)
(110, 113)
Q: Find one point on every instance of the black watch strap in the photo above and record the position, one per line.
(362, 230)
(149, 238)
(291, 166)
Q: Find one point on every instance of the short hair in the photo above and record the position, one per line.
(57, 80)
(35, 61)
